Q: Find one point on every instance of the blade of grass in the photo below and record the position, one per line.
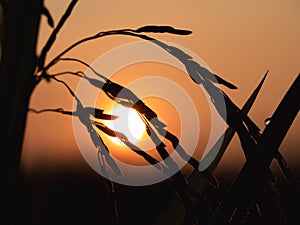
(174, 212)
(53, 35)
(254, 170)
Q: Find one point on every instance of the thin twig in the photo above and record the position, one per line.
(86, 64)
(59, 110)
(98, 35)
(78, 74)
(67, 86)
(54, 33)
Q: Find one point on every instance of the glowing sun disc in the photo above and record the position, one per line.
(128, 123)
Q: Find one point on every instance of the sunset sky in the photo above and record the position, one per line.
(238, 40)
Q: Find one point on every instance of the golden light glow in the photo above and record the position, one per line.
(128, 123)
(166, 111)
(231, 38)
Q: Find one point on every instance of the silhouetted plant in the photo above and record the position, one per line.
(259, 149)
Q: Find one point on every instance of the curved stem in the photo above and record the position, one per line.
(59, 110)
(78, 74)
(86, 64)
(96, 36)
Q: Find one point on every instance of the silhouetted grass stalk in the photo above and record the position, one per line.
(195, 180)
(237, 119)
(254, 171)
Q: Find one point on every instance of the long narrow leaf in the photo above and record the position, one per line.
(255, 169)
(195, 180)
(53, 35)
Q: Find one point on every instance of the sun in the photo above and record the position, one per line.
(128, 122)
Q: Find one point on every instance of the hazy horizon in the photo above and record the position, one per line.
(238, 40)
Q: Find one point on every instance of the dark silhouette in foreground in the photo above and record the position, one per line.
(19, 58)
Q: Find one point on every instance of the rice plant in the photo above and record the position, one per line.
(190, 206)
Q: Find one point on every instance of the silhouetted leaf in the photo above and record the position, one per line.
(102, 116)
(236, 117)
(146, 123)
(178, 53)
(46, 12)
(162, 29)
(92, 111)
(98, 114)
(149, 113)
(194, 70)
(247, 142)
(224, 82)
(54, 33)
(290, 177)
(105, 129)
(195, 181)
(95, 82)
(119, 93)
(130, 145)
(114, 89)
(104, 152)
(84, 118)
(200, 74)
(254, 168)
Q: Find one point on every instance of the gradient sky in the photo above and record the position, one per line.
(238, 40)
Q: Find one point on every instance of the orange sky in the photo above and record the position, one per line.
(238, 40)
